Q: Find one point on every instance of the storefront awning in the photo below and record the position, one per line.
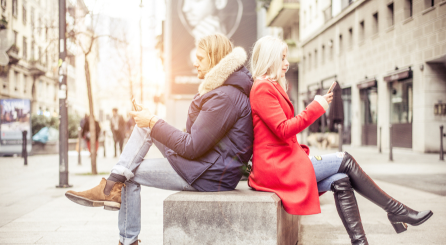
(367, 83)
(398, 75)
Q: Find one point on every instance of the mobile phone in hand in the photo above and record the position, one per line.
(135, 106)
(333, 85)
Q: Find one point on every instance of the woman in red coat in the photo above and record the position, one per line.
(283, 166)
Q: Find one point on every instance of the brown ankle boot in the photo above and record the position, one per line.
(107, 194)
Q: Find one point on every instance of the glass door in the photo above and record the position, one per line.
(369, 108)
(401, 112)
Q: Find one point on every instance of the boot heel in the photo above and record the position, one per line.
(112, 206)
(399, 227)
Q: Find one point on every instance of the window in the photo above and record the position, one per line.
(429, 3)
(350, 37)
(323, 55)
(24, 13)
(25, 49)
(39, 26)
(33, 58)
(309, 16)
(361, 30)
(340, 44)
(315, 58)
(390, 15)
(40, 55)
(305, 17)
(303, 64)
(14, 8)
(375, 23)
(330, 44)
(407, 8)
(25, 78)
(309, 61)
(31, 19)
(15, 37)
(16, 81)
(3, 4)
(315, 9)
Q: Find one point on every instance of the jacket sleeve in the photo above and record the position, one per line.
(216, 117)
(265, 103)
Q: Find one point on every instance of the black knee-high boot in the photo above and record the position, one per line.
(348, 210)
(398, 213)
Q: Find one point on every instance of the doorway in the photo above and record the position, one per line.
(369, 119)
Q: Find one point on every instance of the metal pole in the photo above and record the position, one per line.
(63, 112)
(390, 143)
(24, 151)
(79, 139)
(340, 132)
(380, 139)
(441, 143)
(140, 49)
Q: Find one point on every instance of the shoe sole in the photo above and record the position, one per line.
(108, 205)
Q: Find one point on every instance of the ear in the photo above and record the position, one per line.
(221, 4)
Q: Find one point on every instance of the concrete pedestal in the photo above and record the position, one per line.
(242, 216)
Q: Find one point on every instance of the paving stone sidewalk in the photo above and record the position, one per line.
(33, 211)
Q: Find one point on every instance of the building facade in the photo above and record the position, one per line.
(32, 26)
(389, 57)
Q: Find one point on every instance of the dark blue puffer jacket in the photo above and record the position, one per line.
(219, 127)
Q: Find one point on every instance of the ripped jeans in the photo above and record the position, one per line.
(326, 169)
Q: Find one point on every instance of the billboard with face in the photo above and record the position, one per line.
(192, 19)
(15, 117)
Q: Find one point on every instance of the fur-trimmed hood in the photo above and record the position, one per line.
(218, 75)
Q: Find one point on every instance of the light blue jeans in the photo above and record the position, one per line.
(139, 171)
(326, 169)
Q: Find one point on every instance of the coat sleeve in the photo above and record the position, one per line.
(216, 117)
(265, 103)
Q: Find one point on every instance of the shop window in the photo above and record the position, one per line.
(375, 23)
(390, 15)
(408, 9)
(401, 102)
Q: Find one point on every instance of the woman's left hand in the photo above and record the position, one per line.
(142, 118)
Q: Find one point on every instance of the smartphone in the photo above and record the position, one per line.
(135, 106)
(333, 85)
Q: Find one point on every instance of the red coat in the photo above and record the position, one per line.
(279, 163)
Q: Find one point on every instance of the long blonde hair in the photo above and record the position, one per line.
(217, 46)
(266, 59)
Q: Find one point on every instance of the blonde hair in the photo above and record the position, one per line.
(217, 46)
(266, 59)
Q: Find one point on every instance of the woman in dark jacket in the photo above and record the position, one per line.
(207, 157)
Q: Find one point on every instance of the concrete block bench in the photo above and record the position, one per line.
(242, 216)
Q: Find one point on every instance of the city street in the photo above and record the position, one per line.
(33, 211)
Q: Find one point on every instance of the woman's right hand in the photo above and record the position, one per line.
(328, 97)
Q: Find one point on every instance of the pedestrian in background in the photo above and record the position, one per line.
(117, 126)
(86, 132)
(283, 166)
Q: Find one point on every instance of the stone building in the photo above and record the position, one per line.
(389, 57)
(32, 69)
